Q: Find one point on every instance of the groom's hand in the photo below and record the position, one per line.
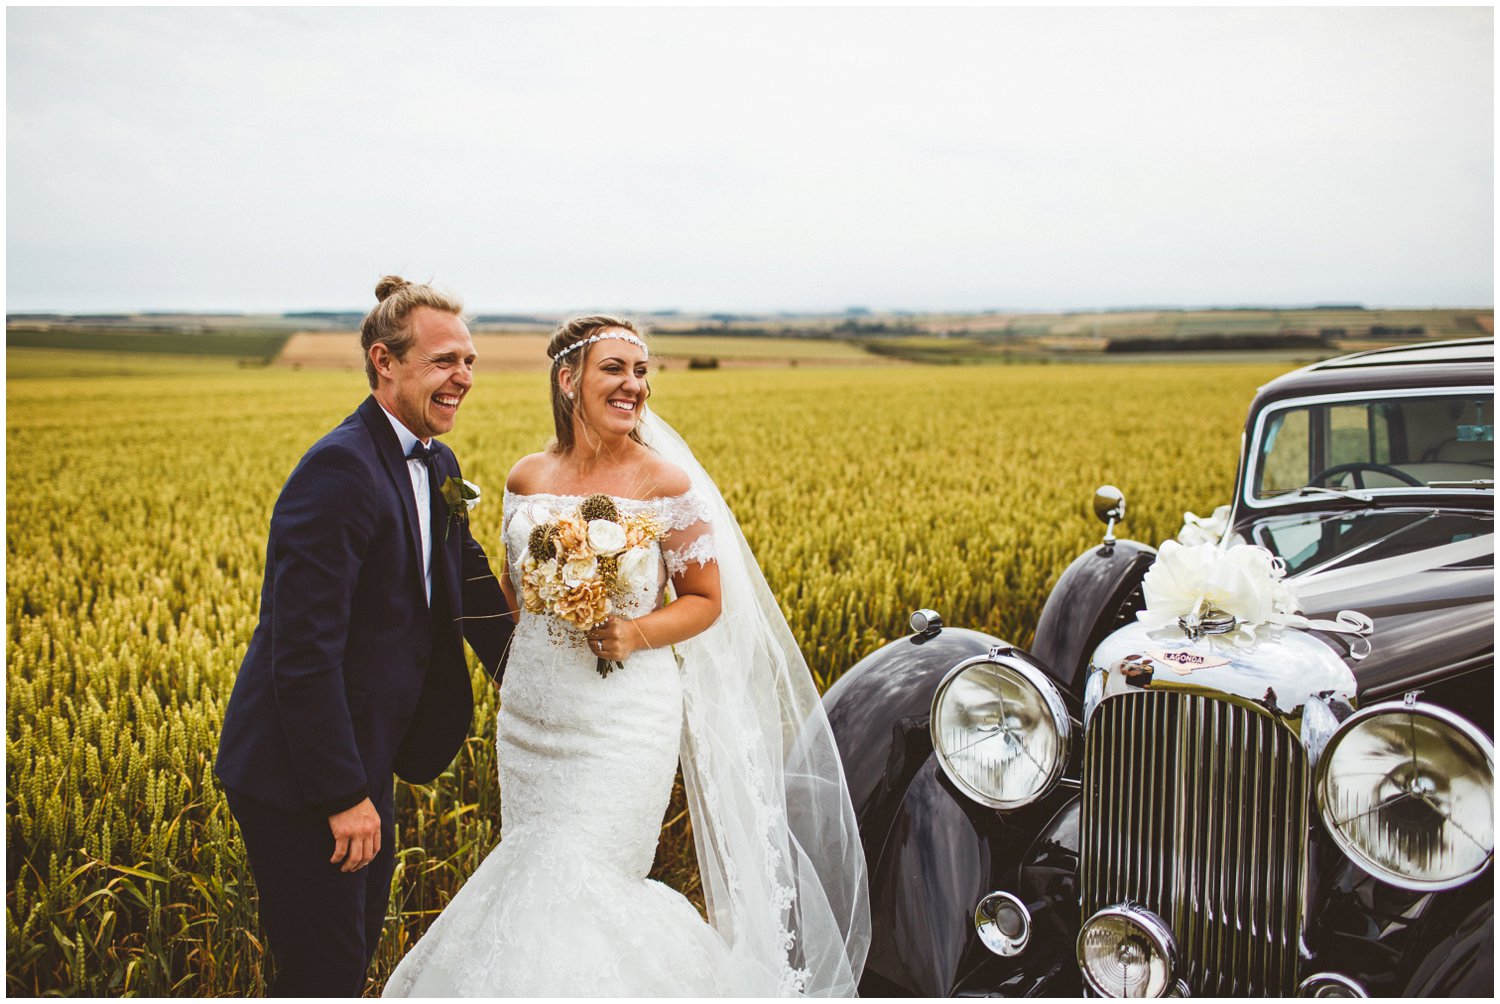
(356, 836)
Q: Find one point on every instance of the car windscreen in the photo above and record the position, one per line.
(1396, 443)
(1311, 540)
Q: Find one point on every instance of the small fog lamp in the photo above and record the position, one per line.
(1330, 985)
(1125, 951)
(1003, 923)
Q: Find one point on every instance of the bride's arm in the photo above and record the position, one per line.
(696, 607)
(519, 482)
(688, 550)
(507, 587)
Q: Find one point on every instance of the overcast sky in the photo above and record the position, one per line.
(764, 159)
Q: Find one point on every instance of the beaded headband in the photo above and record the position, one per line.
(623, 336)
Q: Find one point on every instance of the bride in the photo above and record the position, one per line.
(593, 721)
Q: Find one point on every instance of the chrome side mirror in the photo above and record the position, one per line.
(1109, 506)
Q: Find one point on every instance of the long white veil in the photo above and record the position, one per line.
(784, 875)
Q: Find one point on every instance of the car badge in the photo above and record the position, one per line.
(1185, 661)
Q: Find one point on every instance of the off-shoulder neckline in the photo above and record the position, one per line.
(617, 498)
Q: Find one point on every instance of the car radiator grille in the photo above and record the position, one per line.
(1196, 809)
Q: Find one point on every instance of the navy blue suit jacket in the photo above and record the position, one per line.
(350, 676)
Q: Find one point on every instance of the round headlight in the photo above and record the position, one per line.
(1000, 731)
(1407, 790)
(1125, 951)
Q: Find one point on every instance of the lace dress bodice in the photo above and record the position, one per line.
(687, 539)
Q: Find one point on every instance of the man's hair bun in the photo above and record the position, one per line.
(387, 285)
(387, 320)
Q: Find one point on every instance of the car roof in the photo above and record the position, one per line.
(1464, 363)
(1468, 350)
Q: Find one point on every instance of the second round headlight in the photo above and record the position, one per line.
(1000, 731)
(1407, 790)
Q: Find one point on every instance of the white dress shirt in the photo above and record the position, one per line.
(423, 492)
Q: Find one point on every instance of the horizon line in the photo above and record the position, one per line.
(747, 314)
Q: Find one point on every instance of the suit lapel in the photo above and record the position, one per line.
(389, 449)
(446, 538)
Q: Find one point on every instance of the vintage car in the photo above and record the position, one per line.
(1201, 804)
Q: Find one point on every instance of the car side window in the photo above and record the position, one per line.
(1284, 462)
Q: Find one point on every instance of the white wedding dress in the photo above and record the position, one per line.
(562, 905)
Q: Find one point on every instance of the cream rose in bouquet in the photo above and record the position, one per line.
(579, 564)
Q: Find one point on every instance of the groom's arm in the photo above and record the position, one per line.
(321, 529)
(487, 619)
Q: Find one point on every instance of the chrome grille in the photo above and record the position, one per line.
(1196, 808)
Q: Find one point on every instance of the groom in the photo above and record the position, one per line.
(356, 669)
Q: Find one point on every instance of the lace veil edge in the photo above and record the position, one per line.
(783, 871)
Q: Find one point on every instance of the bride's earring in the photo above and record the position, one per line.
(570, 395)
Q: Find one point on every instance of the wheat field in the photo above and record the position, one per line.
(139, 494)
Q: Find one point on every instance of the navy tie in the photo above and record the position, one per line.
(428, 457)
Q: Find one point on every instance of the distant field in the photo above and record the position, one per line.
(520, 352)
(975, 351)
(516, 343)
(319, 350)
(241, 344)
(31, 364)
(1335, 323)
(732, 350)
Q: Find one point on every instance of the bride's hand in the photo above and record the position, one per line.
(616, 638)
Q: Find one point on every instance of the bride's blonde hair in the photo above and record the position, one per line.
(569, 333)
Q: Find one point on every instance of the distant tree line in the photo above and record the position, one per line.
(823, 334)
(860, 329)
(1217, 342)
(936, 354)
(348, 318)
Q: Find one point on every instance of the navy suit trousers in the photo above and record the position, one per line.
(322, 923)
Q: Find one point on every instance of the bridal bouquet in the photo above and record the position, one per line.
(578, 564)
